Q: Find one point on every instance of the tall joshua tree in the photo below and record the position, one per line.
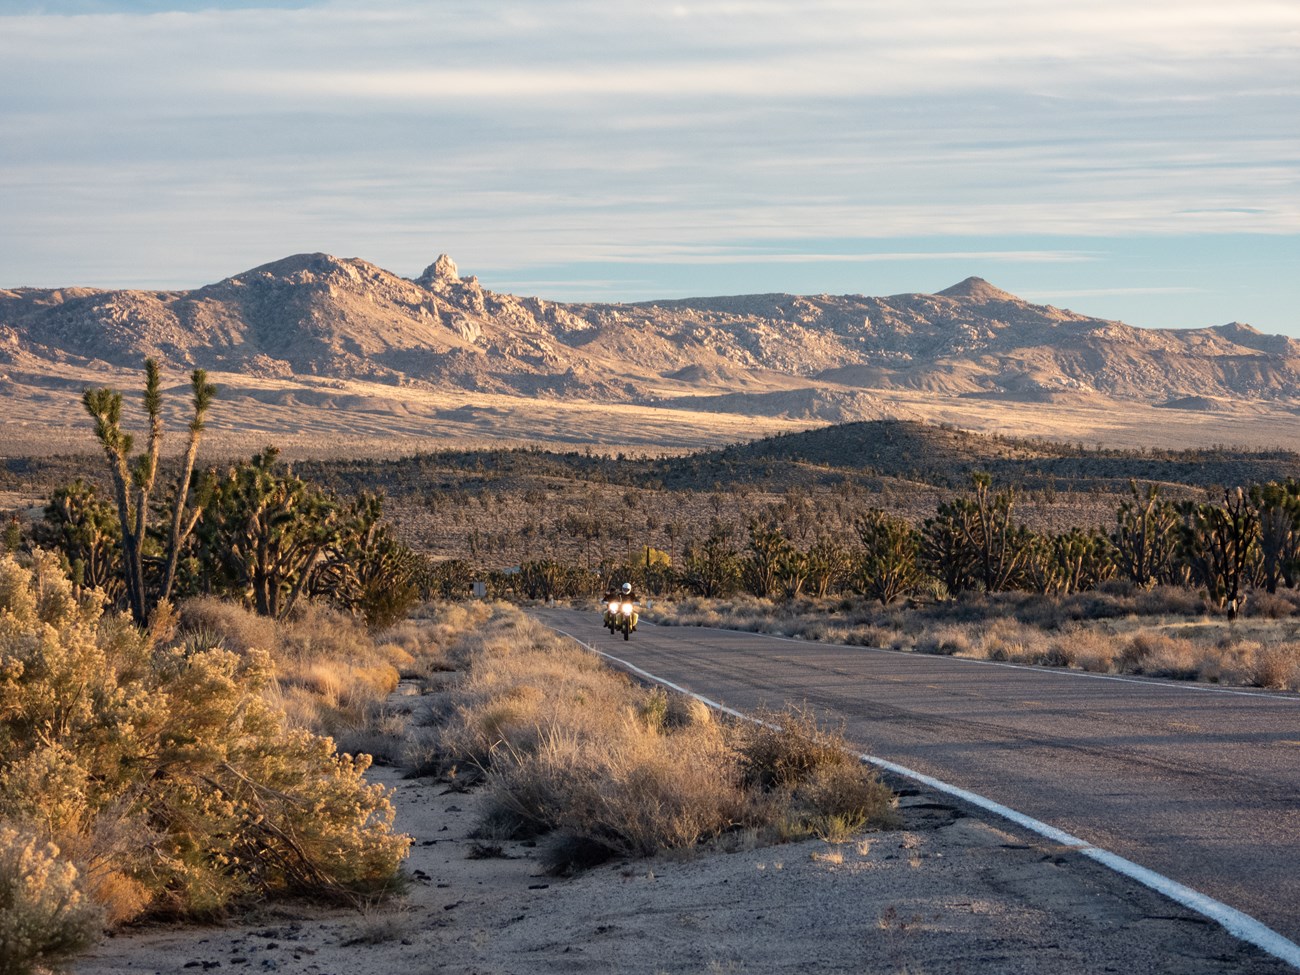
(134, 480)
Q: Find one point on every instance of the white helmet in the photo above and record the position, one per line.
(627, 587)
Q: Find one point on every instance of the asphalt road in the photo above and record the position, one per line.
(1201, 785)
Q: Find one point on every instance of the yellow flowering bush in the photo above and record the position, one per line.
(162, 770)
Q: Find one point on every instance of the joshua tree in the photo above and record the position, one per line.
(1221, 543)
(1070, 561)
(265, 532)
(1279, 522)
(887, 566)
(85, 529)
(768, 550)
(976, 540)
(827, 562)
(1146, 531)
(713, 567)
(134, 479)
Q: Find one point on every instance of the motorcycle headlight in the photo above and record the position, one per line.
(627, 609)
(613, 607)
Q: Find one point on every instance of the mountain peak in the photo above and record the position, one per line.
(441, 271)
(1237, 328)
(977, 289)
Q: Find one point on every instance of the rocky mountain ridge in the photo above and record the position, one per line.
(820, 356)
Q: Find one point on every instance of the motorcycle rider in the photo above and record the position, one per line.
(623, 594)
(612, 595)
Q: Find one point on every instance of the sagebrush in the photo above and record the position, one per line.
(160, 769)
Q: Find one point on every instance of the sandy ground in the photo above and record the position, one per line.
(948, 893)
(41, 414)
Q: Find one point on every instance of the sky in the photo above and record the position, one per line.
(1138, 161)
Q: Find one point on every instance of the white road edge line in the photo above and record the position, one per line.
(1235, 922)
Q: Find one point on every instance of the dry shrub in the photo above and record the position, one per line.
(782, 749)
(165, 768)
(947, 640)
(1160, 655)
(1168, 601)
(45, 918)
(839, 800)
(805, 781)
(1276, 666)
(1273, 605)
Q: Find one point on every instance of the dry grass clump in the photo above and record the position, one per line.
(1087, 649)
(602, 767)
(1273, 605)
(810, 782)
(441, 624)
(1277, 667)
(517, 677)
(1167, 601)
(1240, 660)
(870, 636)
(632, 793)
(331, 677)
(948, 640)
(1158, 654)
(1013, 641)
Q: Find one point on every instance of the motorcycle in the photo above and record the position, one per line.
(620, 617)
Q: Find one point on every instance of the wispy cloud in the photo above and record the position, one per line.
(1107, 292)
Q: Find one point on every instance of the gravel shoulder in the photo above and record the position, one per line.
(949, 892)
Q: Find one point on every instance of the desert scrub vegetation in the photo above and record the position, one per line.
(575, 752)
(151, 767)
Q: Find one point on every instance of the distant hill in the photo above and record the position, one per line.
(946, 456)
